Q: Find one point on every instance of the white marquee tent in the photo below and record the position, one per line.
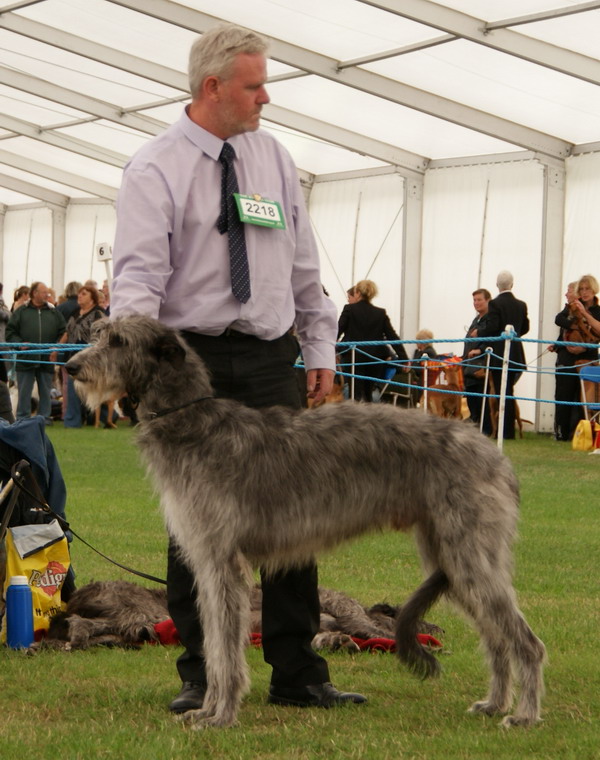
(437, 142)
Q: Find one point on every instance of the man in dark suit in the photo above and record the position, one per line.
(505, 310)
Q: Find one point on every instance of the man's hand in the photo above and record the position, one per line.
(319, 382)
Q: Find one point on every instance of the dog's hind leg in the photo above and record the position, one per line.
(529, 655)
(509, 641)
(499, 697)
(223, 600)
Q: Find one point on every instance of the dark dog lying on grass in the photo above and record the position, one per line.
(118, 613)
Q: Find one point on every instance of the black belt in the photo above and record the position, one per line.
(229, 332)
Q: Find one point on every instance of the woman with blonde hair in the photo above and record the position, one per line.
(361, 321)
(581, 311)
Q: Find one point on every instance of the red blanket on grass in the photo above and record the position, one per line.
(167, 634)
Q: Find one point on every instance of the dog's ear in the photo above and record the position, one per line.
(167, 348)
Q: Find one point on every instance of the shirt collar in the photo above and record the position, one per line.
(206, 141)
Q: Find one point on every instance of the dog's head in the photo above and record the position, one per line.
(127, 356)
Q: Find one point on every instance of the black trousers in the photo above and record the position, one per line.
(567, 388)
(258, 373)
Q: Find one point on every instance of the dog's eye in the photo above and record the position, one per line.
(115, 341)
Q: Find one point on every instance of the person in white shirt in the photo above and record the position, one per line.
(172, 260)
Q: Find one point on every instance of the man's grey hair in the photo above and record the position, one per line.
(214, 52)
(72, 288)
(505, 280)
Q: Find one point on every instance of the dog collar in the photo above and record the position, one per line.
(154, 415)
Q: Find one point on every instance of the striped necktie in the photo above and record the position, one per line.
(229, 222)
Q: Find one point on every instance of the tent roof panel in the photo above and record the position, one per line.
(78, 73)
(335, 28)
(63, 159)
(109, 24)
(87, 83)
(382, 119)
(29, 107)
(509, 87)
(107, 135)
(45, 183)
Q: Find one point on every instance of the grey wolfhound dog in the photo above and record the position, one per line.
(242, 487)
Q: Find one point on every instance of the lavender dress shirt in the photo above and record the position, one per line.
(171, 263)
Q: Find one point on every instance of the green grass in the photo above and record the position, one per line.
(112, 704)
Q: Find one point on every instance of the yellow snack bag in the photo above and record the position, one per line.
(41, 553)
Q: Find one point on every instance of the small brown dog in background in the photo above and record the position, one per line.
(439, 401)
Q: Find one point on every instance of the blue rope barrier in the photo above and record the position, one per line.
(345, 347)
(11, 353)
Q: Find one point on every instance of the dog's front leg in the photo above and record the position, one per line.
(223, 602)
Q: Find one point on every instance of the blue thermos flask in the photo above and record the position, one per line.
(19, 613)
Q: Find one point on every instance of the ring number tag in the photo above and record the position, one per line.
(254, 209)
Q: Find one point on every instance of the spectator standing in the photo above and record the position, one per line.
(505, 310)
(105, 290)
(70, 305)
(79, 328)
(5, 403)
(183, 255)
(20, 297)
(4, 315)
(35, 322)
(582, 305)
(567, 385)
(359, 321)
(474, 358)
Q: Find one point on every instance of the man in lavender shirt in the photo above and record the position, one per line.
(172, 262)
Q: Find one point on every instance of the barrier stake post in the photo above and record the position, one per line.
(488, 356)
(353, 358)
(509, 331)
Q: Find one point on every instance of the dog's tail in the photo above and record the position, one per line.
(416, 657)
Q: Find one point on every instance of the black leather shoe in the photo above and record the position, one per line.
(319, 695)
(190, 697)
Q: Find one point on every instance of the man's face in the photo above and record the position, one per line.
(242, 95)
(480, 303)
(40, 295)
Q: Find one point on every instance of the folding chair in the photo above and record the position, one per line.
(397, 391)
(589, 377)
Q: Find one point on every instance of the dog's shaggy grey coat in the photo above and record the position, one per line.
(242, 487)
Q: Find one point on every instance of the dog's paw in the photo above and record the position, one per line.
(485, 708)
(198, 720)
(333, 642)
(430, 628)
(513, 720)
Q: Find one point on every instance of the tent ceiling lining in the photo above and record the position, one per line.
(396, 103)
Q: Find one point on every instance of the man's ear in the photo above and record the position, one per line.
(211, 87)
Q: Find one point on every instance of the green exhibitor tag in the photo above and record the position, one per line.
(254, 209)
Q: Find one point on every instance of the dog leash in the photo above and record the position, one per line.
(154, 415)
(18, 474)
